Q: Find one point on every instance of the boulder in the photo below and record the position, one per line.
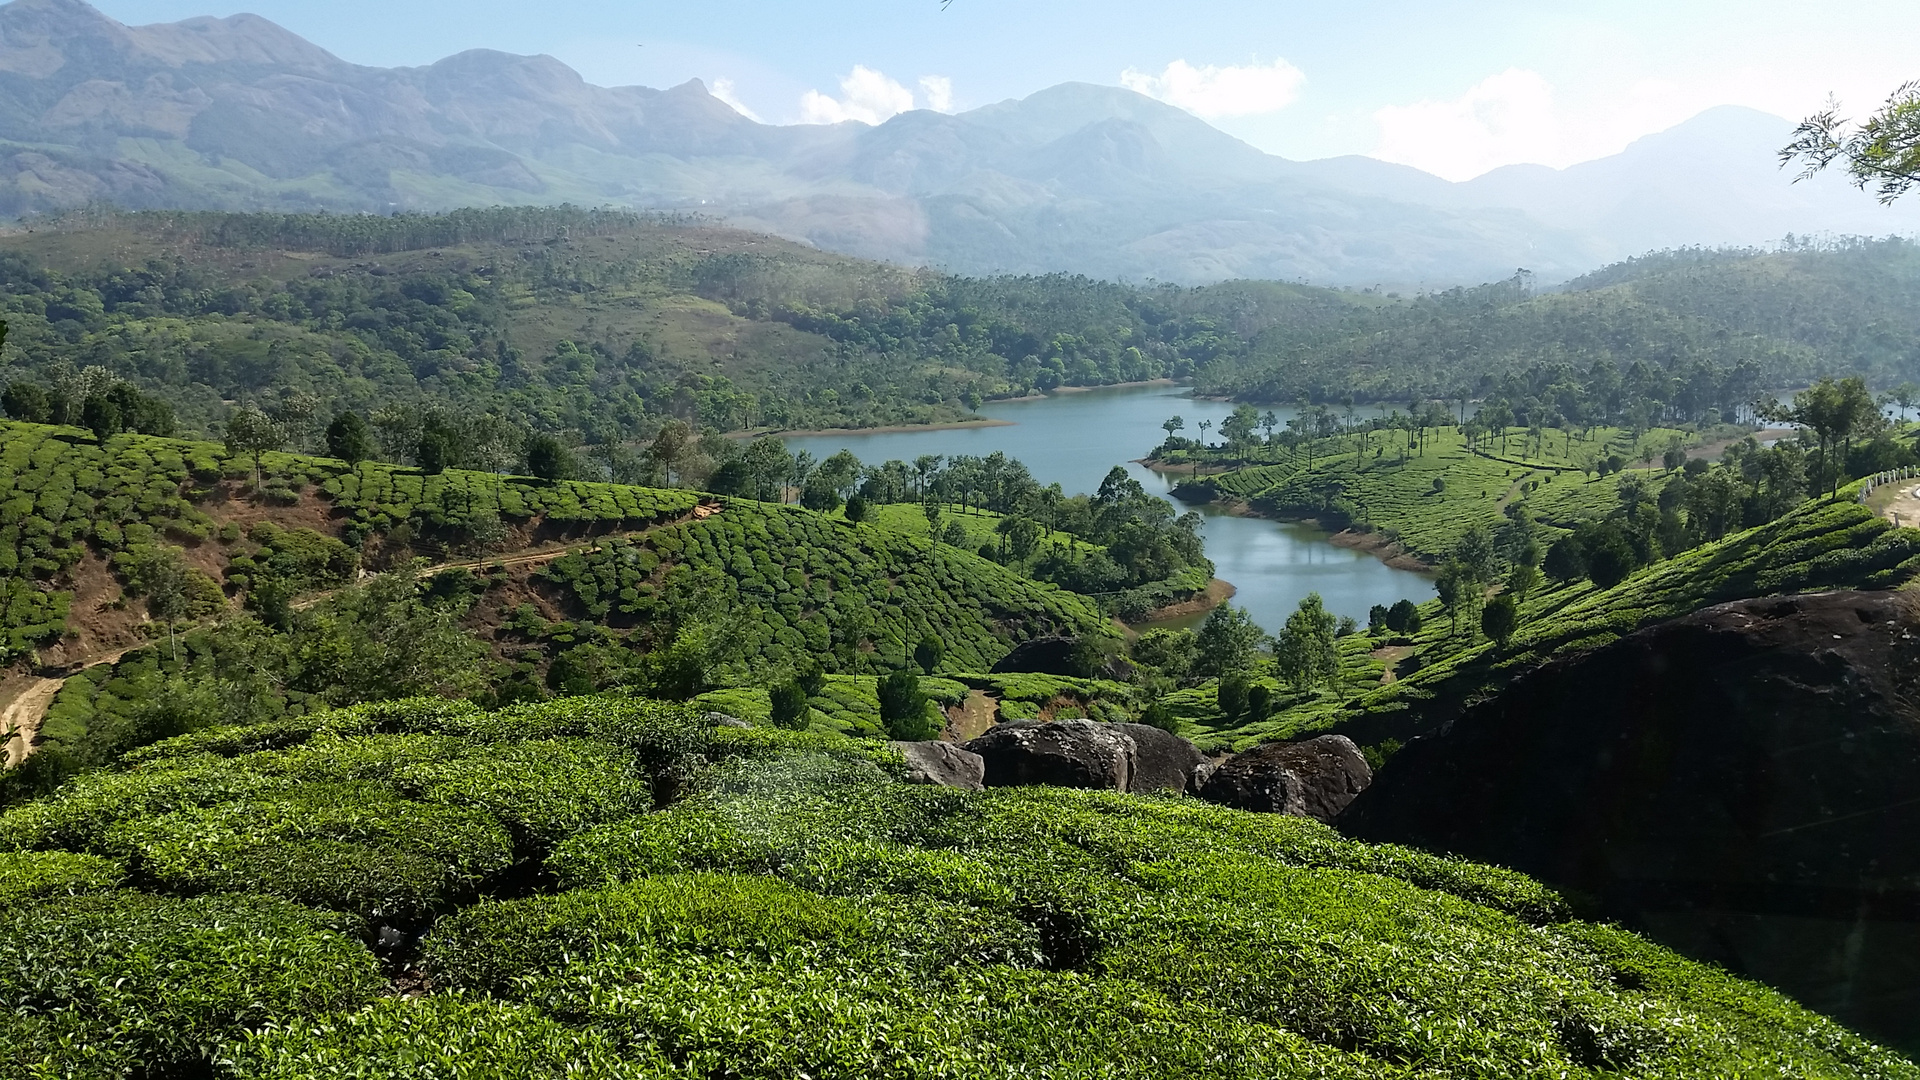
(1162, 761)
(943, 764)
(1737, 784)
(720, 719)
(1316, 778)
(1062, 753)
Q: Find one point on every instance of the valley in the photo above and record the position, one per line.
(503, 576)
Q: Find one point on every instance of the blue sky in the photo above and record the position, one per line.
(1451, 86)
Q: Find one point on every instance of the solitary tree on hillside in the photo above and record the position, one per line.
(1173, 424)
(547, 457)
(1500, 618)
(903, 708)
(252, 432)
(348, 438)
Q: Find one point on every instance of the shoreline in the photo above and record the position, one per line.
(1216, 593)
(889, 429)
(1387, 551)
(1091, 389)
(943, 425)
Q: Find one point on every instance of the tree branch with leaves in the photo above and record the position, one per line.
(1883, 152)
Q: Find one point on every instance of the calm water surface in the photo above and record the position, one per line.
(1073, 439)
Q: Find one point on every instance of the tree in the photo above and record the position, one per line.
(1170, 652)
(1306, 651)
(1500, 618)
(670, 447)
(903, 708)
(1227, 642)
(437, 451)
(1172, 424)
(1609, 555)
(857, 509)
(790, 707)
(547, 457)
(26, 402)
(1883, 151)
(1835, 412)
(348, 438)
(1231, 695)
(101, 416)
(927, 654)
(1404, 617)
(1566, 560)
(252, 432)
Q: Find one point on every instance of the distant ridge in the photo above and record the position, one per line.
(239, 113)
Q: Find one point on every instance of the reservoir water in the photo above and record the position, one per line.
(1073, 439)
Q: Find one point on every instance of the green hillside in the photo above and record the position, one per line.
(1823, 544)
(1425, 500)
(1671, 334)
(244, 903)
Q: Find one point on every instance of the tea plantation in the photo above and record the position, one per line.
(1822, 544)
(605, 887)
(810, 586)
(1429, 499)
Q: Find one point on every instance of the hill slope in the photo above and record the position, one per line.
(791, 908)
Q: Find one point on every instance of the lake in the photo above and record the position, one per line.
(1072, 439)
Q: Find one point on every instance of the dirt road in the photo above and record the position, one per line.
(20, 719)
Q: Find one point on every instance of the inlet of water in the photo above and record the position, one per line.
(1073, 439)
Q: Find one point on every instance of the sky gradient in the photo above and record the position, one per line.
(1445, 85)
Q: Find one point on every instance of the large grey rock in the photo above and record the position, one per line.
(944, 764)
(1316, 778)
(1061, 753)
(1162, 760)
(720, 719)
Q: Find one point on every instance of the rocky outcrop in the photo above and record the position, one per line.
(1062, 753)
(1316, 778)
(1039, 656)
(943, 764)
(1739, 784)
(1162, 760)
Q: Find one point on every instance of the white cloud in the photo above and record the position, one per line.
(867, 96)
(1517, 116)
(723, 89)
(1220, 91)
(1506, 118)
(939, 91)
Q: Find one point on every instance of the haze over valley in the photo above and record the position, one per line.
(240, 113)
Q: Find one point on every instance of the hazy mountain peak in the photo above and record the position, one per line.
(1076, 177)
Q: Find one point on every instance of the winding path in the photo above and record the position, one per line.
(24, 700)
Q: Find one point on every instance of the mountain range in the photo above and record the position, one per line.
(240, 113)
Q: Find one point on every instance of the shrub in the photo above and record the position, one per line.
(903, 708)
(437, 1037)
(130, 984)
(30, 876)
(790, 707)
(351, 847)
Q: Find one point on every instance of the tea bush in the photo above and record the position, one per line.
(126, 984)
(794, 909)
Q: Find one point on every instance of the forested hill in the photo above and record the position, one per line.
(598, 324)
(601, 326)
(1680, 331)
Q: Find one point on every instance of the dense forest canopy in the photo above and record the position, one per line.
(601, 327)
